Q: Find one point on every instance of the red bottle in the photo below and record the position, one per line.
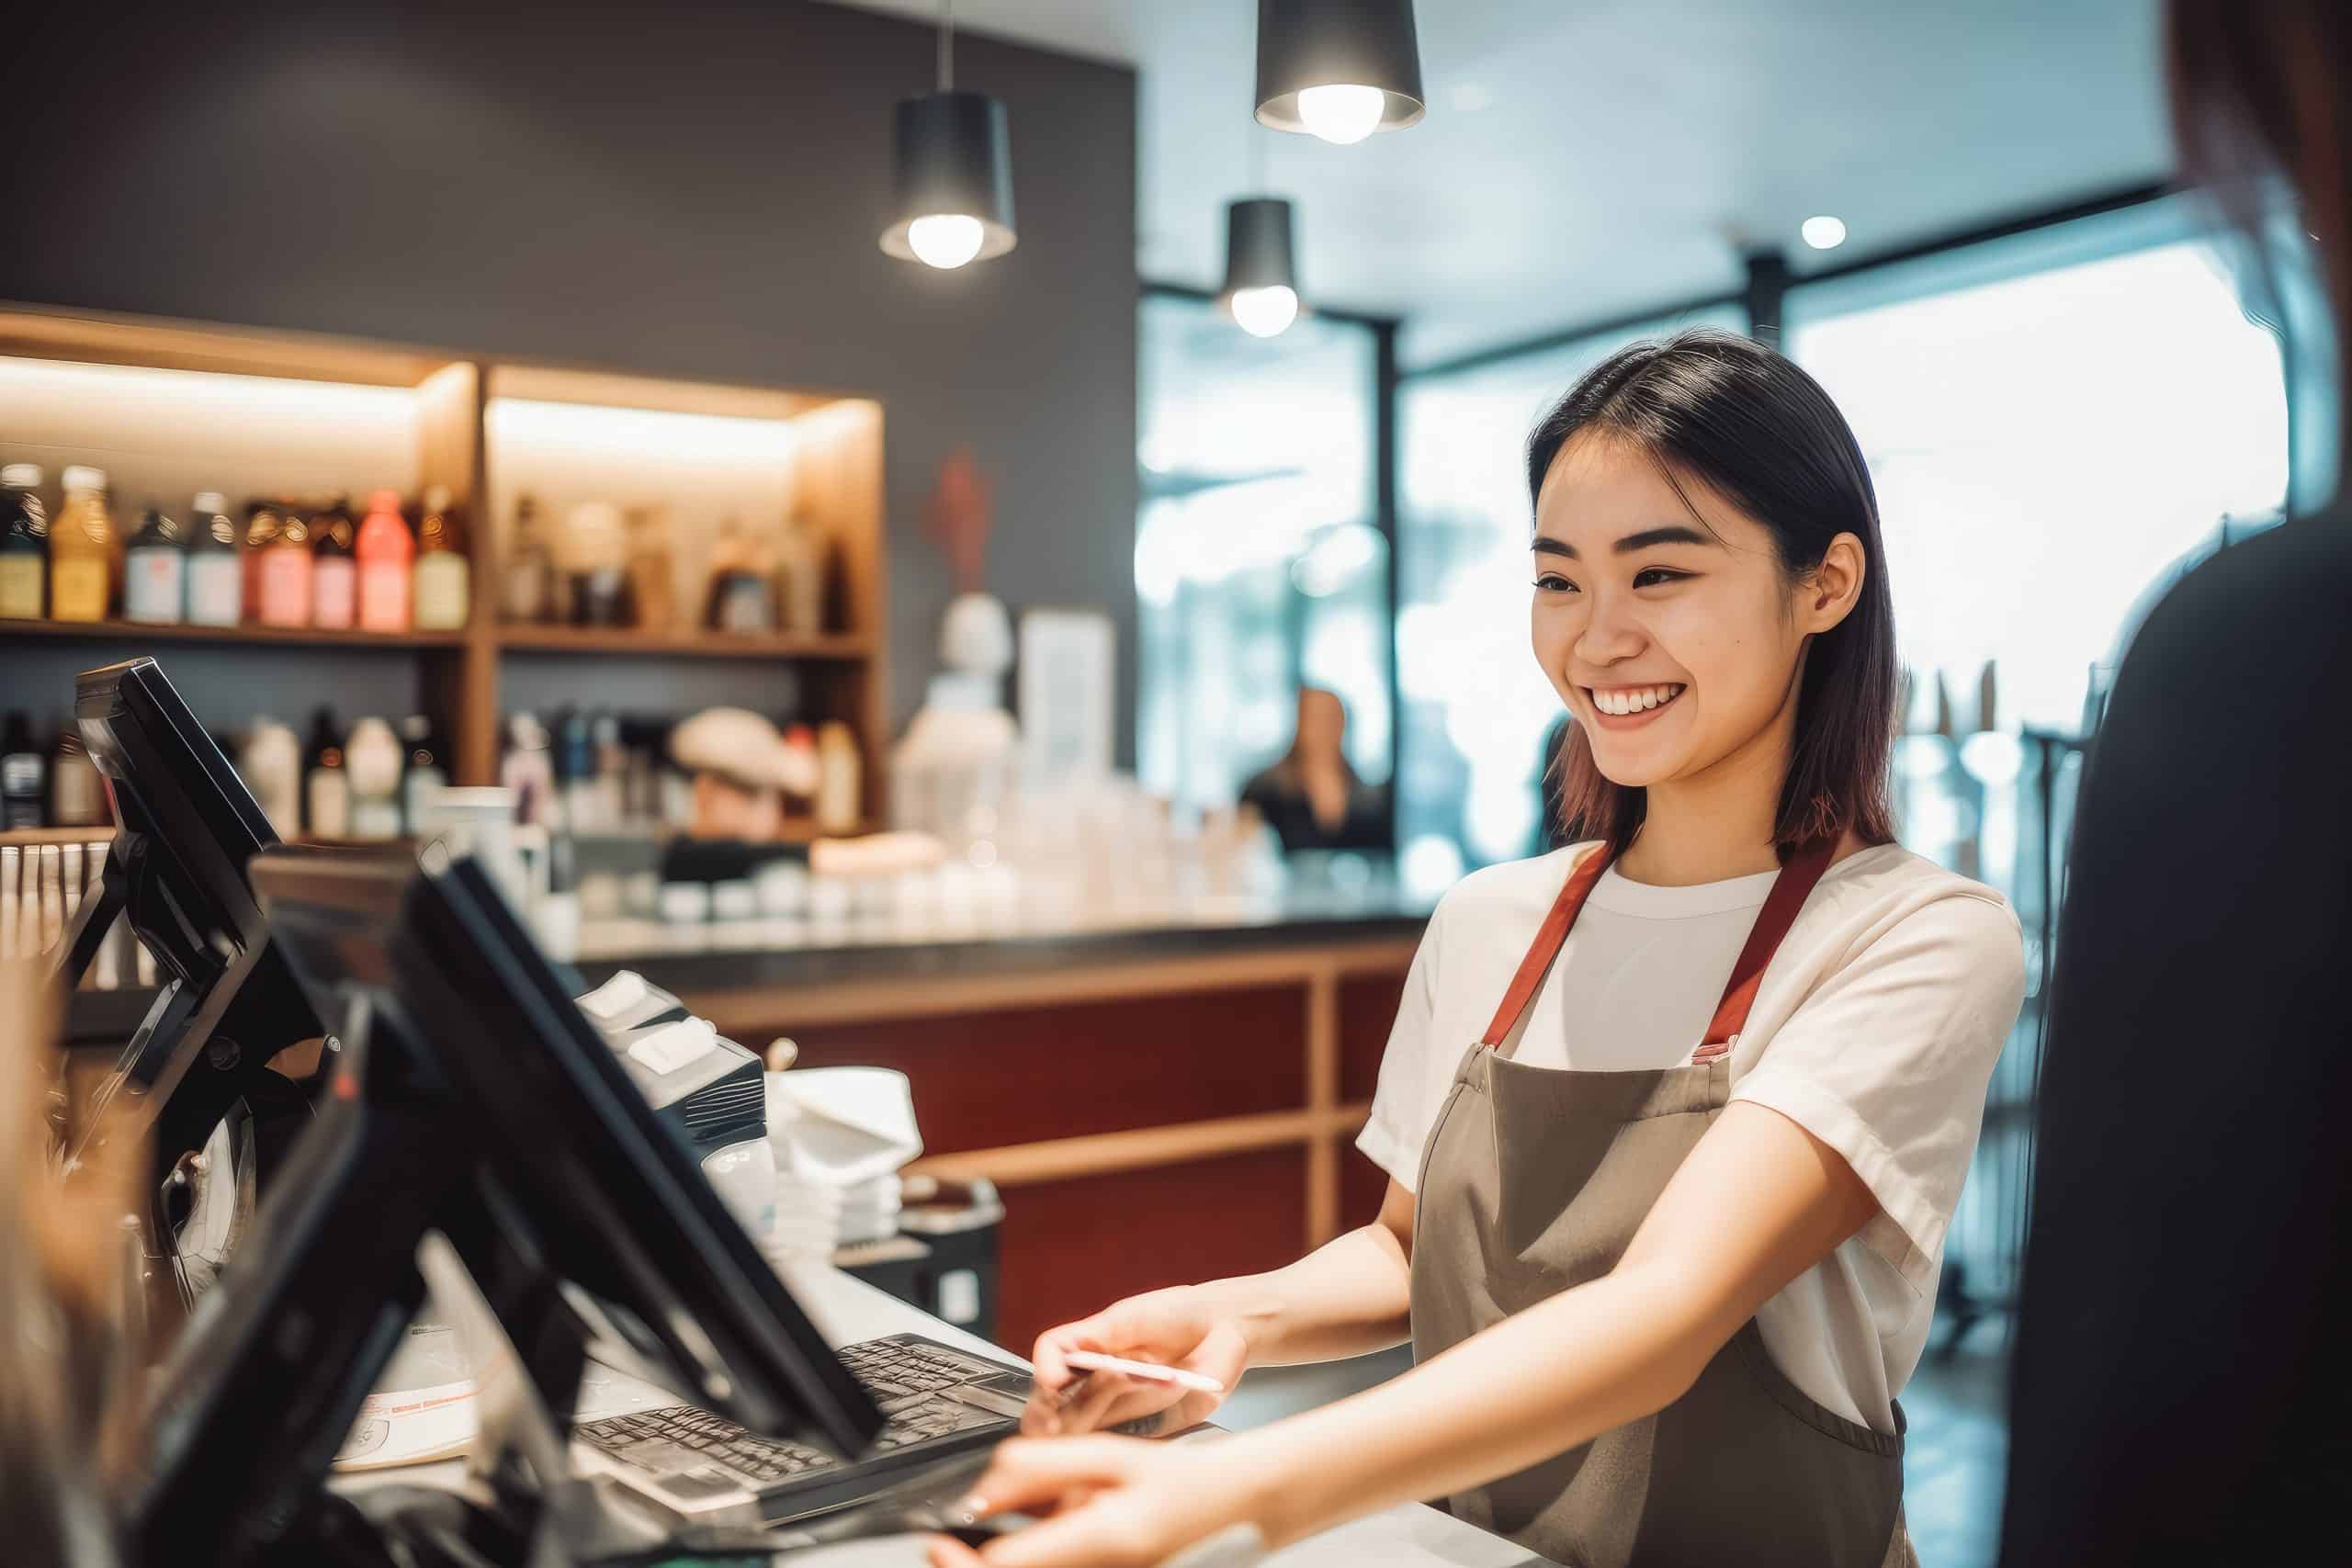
(387, 553)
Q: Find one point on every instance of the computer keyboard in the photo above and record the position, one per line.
(905, 1378)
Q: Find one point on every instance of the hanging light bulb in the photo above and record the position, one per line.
(1265, 312)
(952, 156)
(1342, 114)
(946, 240)
(1338, 68)
(1260, 281)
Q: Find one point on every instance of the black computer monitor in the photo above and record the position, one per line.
(186, 827)
(474, 1098)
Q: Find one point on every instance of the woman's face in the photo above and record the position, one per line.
(1675, 645)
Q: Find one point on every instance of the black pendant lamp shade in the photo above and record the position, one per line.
(1304, 44)
(953, 159)
(1257, 245)
(1260, 276)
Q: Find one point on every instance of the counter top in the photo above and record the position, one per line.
(846, 1310)
(777, 952)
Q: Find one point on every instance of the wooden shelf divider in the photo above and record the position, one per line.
(297, 636)
(685, 644)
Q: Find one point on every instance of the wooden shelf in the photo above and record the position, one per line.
(37, 836)
(298, 636)
(841, 646)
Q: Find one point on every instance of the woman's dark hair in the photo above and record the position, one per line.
(2259, 93)
(1731, 414)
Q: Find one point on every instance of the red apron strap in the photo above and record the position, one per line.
(1546, 945)
(1790, 889)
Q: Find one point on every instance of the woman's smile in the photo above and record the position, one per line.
(1630, 707)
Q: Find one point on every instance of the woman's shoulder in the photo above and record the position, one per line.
(1876, 891)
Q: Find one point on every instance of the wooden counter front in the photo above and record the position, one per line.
(1154, 1117)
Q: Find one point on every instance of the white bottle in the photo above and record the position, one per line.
(271, 765)
(216, 567)
(371, 757)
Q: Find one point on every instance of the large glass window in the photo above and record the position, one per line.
(2050, 421)
(1259, 563)
(1474, 706)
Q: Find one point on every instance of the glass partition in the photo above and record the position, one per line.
(1259, 563)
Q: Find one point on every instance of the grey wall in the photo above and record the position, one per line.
(691, 188)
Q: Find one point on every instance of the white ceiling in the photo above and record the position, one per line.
(1584, 159)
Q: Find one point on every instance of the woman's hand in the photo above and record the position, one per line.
(1180, 1327)
(1101, 1502)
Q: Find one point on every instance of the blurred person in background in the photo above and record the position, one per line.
(1312, 798)
(1665, 1236)
(2181, 1365)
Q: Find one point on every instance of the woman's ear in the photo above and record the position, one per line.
(1828, 594)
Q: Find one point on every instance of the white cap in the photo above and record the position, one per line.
(737, 744)
(209, 502)
(81, 478)
(21, 476)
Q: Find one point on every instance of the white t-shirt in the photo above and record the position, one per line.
(1875, 1028)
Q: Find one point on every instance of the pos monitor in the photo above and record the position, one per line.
(471, 1098)
(186, 827)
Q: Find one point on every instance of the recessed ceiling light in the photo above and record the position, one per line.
(1825, 232)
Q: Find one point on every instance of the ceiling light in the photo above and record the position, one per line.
(1265, 312)
(1824, 233)
(1261, 280)
(953, 167)
(1338, 68)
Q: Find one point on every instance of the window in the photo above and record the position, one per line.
(1259, 563)
(2052, 421)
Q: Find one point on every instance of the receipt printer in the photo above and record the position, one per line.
(711, 1089)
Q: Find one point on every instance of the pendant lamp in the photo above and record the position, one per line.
(1260, 278)
(1338, 68)
(952, 159)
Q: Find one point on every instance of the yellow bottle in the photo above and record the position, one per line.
(85, 567)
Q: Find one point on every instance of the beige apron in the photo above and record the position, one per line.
(1532, 1182)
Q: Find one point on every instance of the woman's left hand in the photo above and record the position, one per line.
(1101, 1502)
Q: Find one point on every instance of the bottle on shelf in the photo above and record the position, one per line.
(76, 797)
(24, 544)
(740, 599)
(574, 760)
(444, 590)
(154, 572)
(83, 566)
(334, 569)
(24, 775)
(804, 562)
(595, 566)
(387, 553)
(278, 566)
(527, 581)
(271, 764)
(612, 772)
(424, 770)
(372, 762)
(838, 770)
(215, 574)
(651, 591)
(326, 783)
(527, 770)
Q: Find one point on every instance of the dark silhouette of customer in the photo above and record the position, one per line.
(2183, 1343)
